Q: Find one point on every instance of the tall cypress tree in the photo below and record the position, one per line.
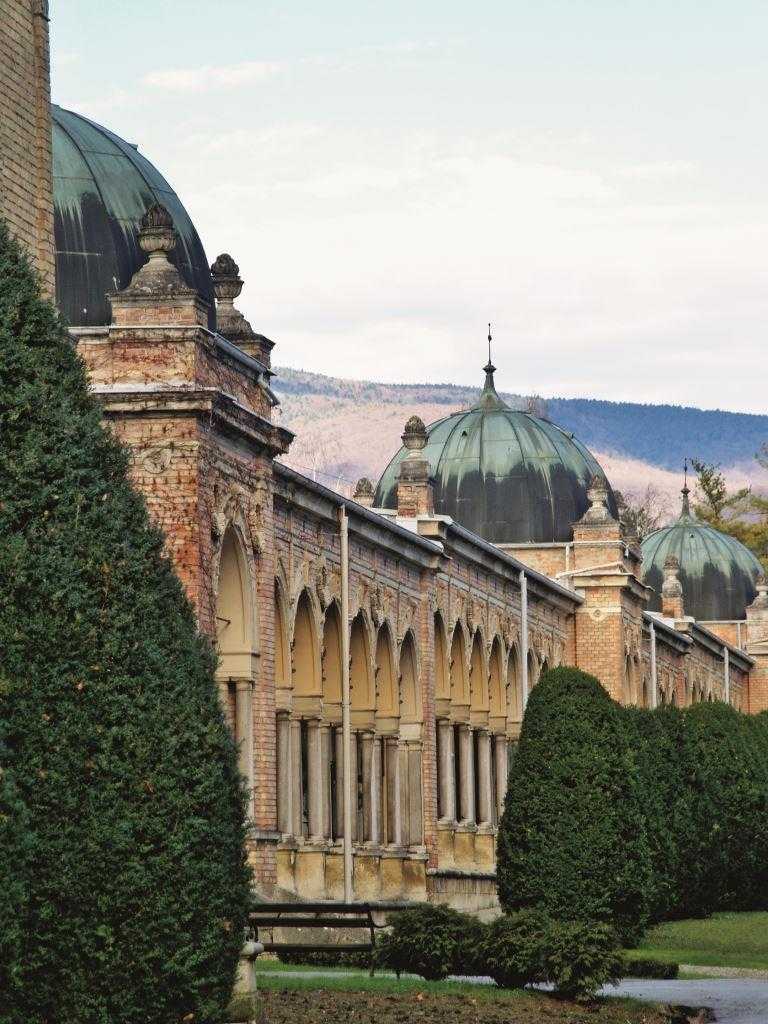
(572, 839)
(134, 899)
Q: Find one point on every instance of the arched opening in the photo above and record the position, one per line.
(442, 679)
(478, 682)
(628, 695)
(360, 684)
(514, 694)
(410, 702)
(458, 670)
(497, 697)
(387, 689)
(306, 669)
(331, 661)
(235, 642)
(282, 657)
(533, 669)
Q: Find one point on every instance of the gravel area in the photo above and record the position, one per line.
(743, 1001)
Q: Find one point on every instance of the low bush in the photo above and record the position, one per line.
(646, 967)
(326, 958)
(512, 951)
(433, 941)
(578, 958)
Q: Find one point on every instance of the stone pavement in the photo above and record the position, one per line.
(734, 1001)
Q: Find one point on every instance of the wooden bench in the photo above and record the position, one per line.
(326, 914)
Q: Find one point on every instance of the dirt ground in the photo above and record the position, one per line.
(327, 1007)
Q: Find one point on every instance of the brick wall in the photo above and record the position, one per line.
(26, 190)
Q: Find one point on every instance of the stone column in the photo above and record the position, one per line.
(297, 794)
(502, 772)
(324, 779)
(447, 775)
(366, 758)
(467, 774)
(376, 791)
(315, 780)
(394, 830)
(485, 796)
(404, 794)
(356, 831)
(284, 782)
(415, 796)
(338, 748)
(244, 734)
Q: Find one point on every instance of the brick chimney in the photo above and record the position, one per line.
(415, 495)
(672, 590)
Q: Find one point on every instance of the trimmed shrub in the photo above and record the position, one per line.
(647, 967)
(572, 839)
(137, 893)
(579, 957)
(15, 867)
(428, 939)
(513, 948)
(327, 958)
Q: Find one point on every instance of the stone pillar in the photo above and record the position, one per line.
(415, 796)
(297, 794)
(467, 774)
(393, 816)
(376, 791)
(672, 590)
(284, 781)
(415, 494)
(338, 747)
(315, 780)
(500, 752)
(324, 780)
(354, 794)
(244, 734)
(366, 758)
(485, 796)
(447, 776)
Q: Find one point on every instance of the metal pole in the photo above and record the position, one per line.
(654, 677)
(524, 635)
(346, 724)
(727, 672)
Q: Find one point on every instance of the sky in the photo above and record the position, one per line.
(589, 175)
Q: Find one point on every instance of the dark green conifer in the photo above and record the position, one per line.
(572, 839)
(134, 904)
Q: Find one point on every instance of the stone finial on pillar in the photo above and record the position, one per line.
(415, 494)
(672, 590)
(363, 492)
(597, 523)
(757, 613)
(157, 292)
(230, 322)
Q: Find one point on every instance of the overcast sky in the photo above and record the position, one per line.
(590, 175)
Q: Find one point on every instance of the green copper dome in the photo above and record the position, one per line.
(508, 476)
(102, 186)
(717, 572)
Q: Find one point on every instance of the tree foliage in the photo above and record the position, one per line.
(572, 840)
(741, 513)
(130, 874)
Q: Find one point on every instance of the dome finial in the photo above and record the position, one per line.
(489, 398)
(686, 511)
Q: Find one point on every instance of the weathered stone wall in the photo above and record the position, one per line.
(26, 190)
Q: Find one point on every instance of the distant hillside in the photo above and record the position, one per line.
(347, 429)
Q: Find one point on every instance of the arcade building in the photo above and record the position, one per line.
(375, 652)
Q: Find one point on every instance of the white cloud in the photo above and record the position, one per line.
(226, 76)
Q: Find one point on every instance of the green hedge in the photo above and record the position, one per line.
(124, 811)
(572, 840)
(693, 806)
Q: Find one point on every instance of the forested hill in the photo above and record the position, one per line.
(662, 435)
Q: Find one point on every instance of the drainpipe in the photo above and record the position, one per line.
(727, 673)
(346, 725)
(654, 677)
(524, 635)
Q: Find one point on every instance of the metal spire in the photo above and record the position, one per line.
(489, 399)
(489, 368)
(685, 491)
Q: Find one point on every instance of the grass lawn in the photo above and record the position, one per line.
(725, 940)
(344, 996)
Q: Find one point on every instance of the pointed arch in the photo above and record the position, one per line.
(514, 691)
(442, 672)
(331, 655)
(360, 681)
(458, 669)
(410, 692)
(306, 674)
(478, 676)
(282, 654)
(533, 669)
(235, 620)
(387, 687)
(496, 688)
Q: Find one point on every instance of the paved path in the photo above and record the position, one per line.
(742, 1001)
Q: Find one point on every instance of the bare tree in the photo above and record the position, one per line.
(643, 511)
